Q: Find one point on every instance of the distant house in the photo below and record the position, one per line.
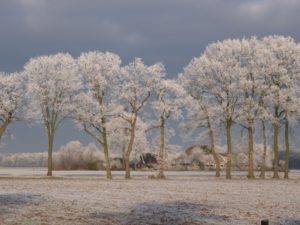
(147, 160)
(198, 157)
(117, 163)
(209, 162)
(183, 162)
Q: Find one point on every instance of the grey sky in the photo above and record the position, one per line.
(171, 31)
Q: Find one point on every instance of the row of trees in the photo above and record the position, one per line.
(249, 83)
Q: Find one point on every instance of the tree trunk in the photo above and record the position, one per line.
(130, 148)
(106, 154)
(161, 155)
(276, 143)
(213, 150)
(287, 147)
(50, 150)
(250, 151)
(5, 125)
(228, 139)
(105, 148)
(124, 156)
(127, 166)
(263, 166)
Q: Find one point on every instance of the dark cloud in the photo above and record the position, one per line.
(171, 31)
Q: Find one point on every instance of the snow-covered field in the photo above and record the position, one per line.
(85, 197)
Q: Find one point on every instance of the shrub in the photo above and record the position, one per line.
(93, 166)
(201, 165)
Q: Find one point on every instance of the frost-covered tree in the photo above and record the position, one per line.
(95, 104)
(12, 92)
(120, 137)
(291, 115)
(53, 83)
(280, 62)
(168, 102)
(137, 84)
(254, 90)
(242, 155)
(218, 73)
(264, 121)
(24, 160)
(201, 113)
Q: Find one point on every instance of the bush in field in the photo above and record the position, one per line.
(201, 165)
(93, 166)
(74, 155)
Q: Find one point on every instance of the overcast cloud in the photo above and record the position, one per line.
(171, 31)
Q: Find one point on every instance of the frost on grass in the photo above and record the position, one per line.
(184, 198)
(164, 213)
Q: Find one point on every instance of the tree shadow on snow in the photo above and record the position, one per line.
(177, 213)
(292, 221)
(11, 201)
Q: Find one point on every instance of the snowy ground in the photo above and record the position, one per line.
(85, 197)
